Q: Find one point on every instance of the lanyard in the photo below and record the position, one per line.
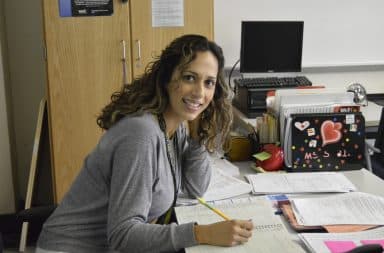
(165, 218)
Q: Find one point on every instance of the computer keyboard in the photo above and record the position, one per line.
(273, 82)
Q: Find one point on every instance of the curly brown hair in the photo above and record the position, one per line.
(148, 93)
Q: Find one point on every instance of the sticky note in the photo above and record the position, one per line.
(381, 242)
(339, 246)
(262, 156)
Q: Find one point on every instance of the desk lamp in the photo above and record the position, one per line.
(360, 94)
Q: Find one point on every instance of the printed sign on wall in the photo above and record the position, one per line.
(78, 8)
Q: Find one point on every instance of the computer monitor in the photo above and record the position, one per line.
(271, 46)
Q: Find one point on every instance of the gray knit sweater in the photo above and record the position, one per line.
(125, 183)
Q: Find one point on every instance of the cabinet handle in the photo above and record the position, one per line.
(124, 62)
(138, 59)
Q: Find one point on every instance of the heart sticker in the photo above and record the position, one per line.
(302, 125)
(330, 132)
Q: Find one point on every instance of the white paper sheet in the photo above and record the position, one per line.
(269, 234)
(167, 13)
(222, 186)
(315, 241)
(299, 182)
(347, 208)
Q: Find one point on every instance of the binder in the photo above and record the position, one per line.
(324, 141)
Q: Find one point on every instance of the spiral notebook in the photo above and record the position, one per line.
(325, 141)
(268, 236)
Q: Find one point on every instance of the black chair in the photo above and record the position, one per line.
(377, 158)
(35, 216)
(1, 244)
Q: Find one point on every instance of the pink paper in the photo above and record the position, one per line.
(381, 242)
(339, 246)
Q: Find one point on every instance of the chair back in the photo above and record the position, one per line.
(379, 142)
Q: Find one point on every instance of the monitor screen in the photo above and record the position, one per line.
(271, 46)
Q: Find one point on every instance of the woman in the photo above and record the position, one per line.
(123, 197)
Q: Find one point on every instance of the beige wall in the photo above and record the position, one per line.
(26, 86)
(7, 194)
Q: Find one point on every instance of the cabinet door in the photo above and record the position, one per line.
(84, 67)
(198, 19)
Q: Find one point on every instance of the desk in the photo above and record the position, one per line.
(363, 180)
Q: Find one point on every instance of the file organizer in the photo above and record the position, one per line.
(320, 101)
(324, 141)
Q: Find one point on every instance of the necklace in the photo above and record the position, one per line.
(164, 219)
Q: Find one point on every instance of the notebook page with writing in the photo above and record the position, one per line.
(346, 208)
(269, 234)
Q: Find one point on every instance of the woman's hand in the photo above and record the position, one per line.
(224, 233)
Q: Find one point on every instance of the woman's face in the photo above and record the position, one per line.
(192, 89)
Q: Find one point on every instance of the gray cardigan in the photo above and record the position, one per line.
(125, 183)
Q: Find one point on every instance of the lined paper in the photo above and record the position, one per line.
(269, 234)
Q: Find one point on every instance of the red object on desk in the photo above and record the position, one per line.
(275, 162)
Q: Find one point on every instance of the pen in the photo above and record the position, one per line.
(202, 201)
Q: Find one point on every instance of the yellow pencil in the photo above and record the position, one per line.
(202, 201)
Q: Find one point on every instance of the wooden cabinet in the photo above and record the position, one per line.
(148, 41)
(84, 67)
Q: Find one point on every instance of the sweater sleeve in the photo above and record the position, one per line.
(196, 170)
(133, 174)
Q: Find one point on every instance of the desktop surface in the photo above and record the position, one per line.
(246, 207)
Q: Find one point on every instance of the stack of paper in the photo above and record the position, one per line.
(222, 185)
(341, 242)
(265, 183)
(347, 208)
